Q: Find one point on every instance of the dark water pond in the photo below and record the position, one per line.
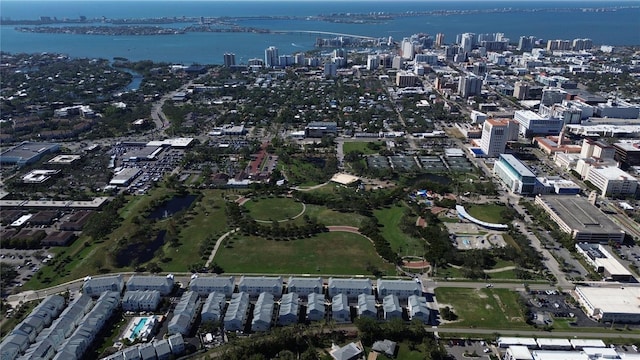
(141, 252)
(170, 207)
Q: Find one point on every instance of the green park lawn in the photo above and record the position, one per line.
(400, 242)
(330, 217)
(273, 209)
(487, 308)
(361, 146)
(487, 212)
(327, 253)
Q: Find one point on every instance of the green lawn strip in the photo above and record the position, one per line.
(487, 308)
(269, 209)
(331, 217)
(326, 253)
(351, 146)
(509, 240)
(18, 315)
(400, 242)
(404, 353)
(208, 222)
(487, 212)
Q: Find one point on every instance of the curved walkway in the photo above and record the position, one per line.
(304, 208)
(217, 245)
(310, 187)
(490, 271)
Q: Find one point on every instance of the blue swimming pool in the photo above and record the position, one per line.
(136, 330)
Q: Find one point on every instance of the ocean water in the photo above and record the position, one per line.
(612, 28)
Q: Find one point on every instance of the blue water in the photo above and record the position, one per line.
(136, 330)
(613, 28)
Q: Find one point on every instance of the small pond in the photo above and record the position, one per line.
(172, 206)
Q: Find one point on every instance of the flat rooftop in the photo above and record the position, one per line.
(613, 299)
(64, 159)
(580, 215)
(517, 165)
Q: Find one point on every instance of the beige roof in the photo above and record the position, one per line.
(344, 179)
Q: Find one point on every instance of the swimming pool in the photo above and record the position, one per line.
(136, 329)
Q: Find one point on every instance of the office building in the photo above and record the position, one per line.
(627, 153)
(229, 59)
(578, 217)
(534, 124)
(373, 62)
(552, 95)
(610, 304)
(514, 174)
(521, 90)
(604, 263)
(495, 135)
(271, 57)
(612, 181)
(406, 79)
(469, 86)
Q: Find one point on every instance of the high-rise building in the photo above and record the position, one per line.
(431, 59)
(552, 96)
(397, 63)
(558, 45)
(407, 49)
(298, 59)
(271, 56)
(229, 59)
(495, 135)
(439, 39)
(526, 43)
(581, 44)
(373, 62)
(405, 79)
(521, 90)
(469, 86)
(467, 41)
(479, 68)
(330, 69)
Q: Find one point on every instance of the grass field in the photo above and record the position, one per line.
(400, 242)
(487, 212)
(326, 253)
(273, 209)
(207, 220)
(361, 146)
(331, 217)
(487, 308)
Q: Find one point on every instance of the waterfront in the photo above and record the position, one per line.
(610, 27)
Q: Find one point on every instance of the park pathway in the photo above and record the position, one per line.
(217, 245)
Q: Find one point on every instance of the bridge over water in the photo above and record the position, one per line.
(317, 32)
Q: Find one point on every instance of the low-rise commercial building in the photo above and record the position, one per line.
(610, 304)
(514, 174)
(602, 261)
(576, 216)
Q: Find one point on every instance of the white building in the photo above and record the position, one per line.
(236, 314)
(204, 285)
(340, 310)
(534, 124)
(518, 352)
(514, 174)
(391, 307)
(367, 306)
(288, 311)
(417, 309)
(213, 307)
(94, 287)
(263, 312)
(141, 300)
(400, 288)
(163, 284)
(254, 286)
(304, 286)
(612, 181)
(315, 307)
(610, 304)
(496, 134)
(349, 287)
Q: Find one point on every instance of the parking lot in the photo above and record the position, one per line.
(26, 262)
